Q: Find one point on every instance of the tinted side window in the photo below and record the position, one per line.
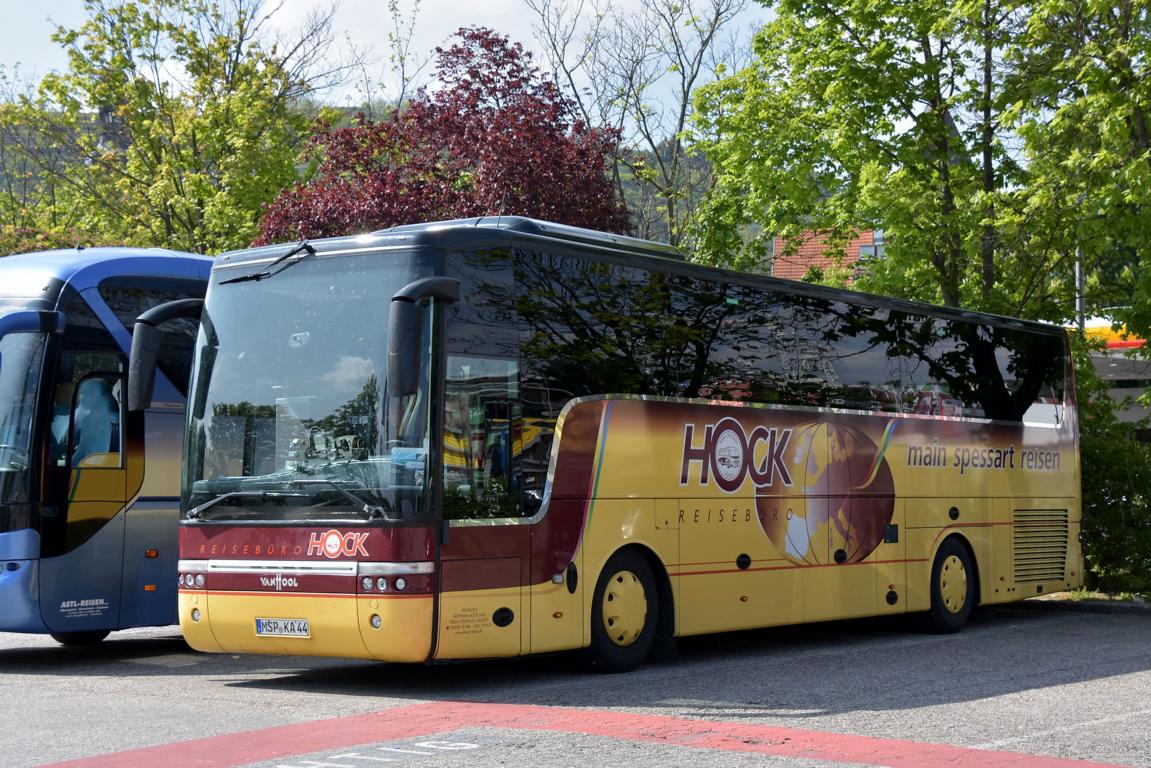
(722, 338)
(482, 438)
(1033, 371)
(131, 297)
(483, 322)
(587, 327)
(861, 348)
(483, 426)
(590, 327)
(937, 365)
(957, 368)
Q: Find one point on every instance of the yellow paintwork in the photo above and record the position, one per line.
(100, 461)
(557, 618)
(97, 484)
(406, 629)
(613, 524)
(404, 635)
(466, 628)
(714, 528)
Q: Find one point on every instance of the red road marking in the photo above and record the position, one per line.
(422, 720)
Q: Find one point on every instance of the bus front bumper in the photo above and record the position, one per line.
(388, 628)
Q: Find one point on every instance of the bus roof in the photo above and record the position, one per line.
(475, 232)
(546, 229)
(40, 275)
(493, 230)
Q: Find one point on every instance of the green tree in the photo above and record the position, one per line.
(32, 214)
(886, 114)
(1086, 124)
(175, 120)
(1116, 489)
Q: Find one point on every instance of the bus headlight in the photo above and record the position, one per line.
(401, 583)
(382, 584)
(366, 583)
(199, 580)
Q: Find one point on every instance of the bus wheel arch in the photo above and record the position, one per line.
(665, 621)
(954, 585)
(628, 610)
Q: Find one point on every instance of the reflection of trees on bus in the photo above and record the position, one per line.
(566, 325)
(352, 431)
(599, 327)
(243, 439)
(261, 439)
(961, 368)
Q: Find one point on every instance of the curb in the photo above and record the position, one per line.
(1114, 607)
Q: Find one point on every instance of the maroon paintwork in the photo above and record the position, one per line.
(199, 542)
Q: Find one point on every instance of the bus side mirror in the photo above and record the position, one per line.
(405, 322)
(146, 341)
(405, 327)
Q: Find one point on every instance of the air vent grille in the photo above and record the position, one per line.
(1040, 539)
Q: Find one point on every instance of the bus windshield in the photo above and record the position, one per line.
(20, 358)
(290, 419)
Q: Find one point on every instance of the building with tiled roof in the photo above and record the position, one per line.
(815, 253)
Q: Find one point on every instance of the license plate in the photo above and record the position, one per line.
(283, 627)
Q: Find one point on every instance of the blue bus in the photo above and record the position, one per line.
(88, 491)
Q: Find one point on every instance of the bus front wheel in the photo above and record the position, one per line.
(79, 638)
(952, 588)
(624, 614)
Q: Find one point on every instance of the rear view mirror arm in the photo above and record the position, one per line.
(146, 341)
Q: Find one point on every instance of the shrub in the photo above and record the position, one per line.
(1116, 477)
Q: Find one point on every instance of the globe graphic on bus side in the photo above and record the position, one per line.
(841, 498)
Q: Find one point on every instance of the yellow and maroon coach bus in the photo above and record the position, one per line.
(499, 436)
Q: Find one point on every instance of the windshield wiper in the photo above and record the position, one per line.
(371, 510)
(267, 271)
(195, 512)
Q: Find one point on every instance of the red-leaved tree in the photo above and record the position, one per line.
(496, 137)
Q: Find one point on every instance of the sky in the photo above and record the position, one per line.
(25, 35)
(28, 25)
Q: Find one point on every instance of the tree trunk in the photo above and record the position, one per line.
(990, 234)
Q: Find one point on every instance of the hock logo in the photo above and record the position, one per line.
(279, 581)
(729, 455)
(333, 544)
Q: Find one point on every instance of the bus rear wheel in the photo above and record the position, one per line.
(952, 588)
(625, 611)
(79, 638)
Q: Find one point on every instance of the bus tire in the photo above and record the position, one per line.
(952, 588)
(80, 638)
(625, 613)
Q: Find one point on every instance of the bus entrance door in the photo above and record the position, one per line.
(85, 495)
(482, 608)
(486, 558)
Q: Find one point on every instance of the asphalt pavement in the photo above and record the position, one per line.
(1039, 685)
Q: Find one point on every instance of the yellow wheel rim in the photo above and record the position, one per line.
(953, 584)
(624, 608)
